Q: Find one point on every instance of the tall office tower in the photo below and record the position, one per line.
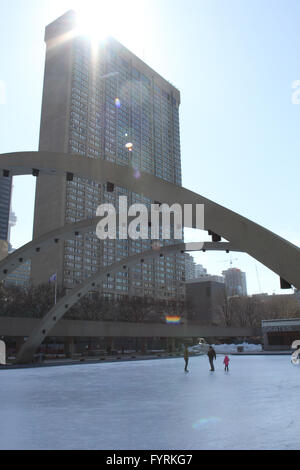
(235, 282)
(97, 101)
(5, 201)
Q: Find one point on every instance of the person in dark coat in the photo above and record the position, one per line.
(186, 358)
(211, 356)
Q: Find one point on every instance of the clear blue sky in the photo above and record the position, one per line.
(234, 62)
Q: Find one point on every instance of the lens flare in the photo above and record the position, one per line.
(206, 421)
(136, 173)
(88, 24)
(129, 146)
(172, 319)
(118, 103)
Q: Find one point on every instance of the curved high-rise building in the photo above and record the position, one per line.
(104, 103)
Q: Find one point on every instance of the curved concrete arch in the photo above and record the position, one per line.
(274, 252)
(61, 308)
(38, 245)
(33, 248)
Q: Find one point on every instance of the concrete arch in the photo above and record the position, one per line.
(36, 246)
(33, 248)
(244, 235)
(274, 252)
(61, 308)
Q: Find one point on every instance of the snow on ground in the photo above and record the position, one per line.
(153, 404)
(230, 348)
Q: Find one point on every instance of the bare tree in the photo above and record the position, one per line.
(247, 311)
(224, 310)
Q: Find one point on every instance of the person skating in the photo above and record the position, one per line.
(226, 362)
(186, 358)
(211, 356)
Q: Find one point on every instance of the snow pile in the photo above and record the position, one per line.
(231, 348)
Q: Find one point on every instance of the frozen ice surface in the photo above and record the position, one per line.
(153, 404)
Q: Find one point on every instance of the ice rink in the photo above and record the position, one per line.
(153, 404)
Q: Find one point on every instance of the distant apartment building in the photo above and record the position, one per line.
(190, 266)
(12, 222)
(20, 277)
(104, 104)
(193, 270)
(5, 202)
(200, 271)
(235, 281)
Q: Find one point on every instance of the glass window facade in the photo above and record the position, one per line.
(116, 101)
(5, 197)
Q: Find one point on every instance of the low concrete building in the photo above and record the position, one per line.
(209, 277)
(204, 299)
(279, 334)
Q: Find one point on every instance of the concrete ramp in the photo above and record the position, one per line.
(2, 353)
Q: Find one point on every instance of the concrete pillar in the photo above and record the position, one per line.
(19, 343)
(2, 353)
(170, 345)
(69, 347)
(265, 341)
(144, 345)
(110, 344)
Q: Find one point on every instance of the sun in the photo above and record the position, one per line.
(99, 19)
(93, 26)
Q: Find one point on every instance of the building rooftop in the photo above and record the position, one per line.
(68, 22)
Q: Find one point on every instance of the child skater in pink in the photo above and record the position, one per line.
(226, 362)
